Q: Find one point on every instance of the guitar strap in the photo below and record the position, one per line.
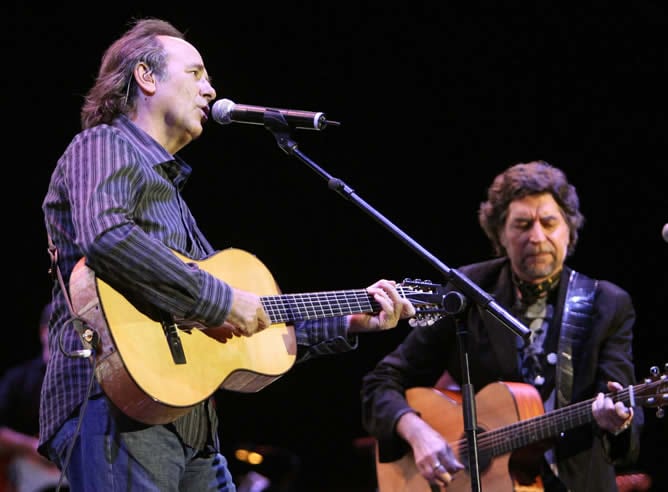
(577, 319)
(89, 337)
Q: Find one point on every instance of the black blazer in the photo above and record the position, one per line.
(586, 456)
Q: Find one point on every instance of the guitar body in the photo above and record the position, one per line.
(134, 364)
(497, 405)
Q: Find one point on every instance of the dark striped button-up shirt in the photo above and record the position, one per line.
(115, 198)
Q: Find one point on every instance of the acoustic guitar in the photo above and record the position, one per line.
(157, 370)
(513, 433)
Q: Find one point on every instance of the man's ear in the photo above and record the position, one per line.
(144, 77)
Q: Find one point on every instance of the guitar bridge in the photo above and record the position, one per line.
(171, 331)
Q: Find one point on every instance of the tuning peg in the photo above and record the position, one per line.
(421, 320)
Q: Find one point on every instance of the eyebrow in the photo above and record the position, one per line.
(529, 217)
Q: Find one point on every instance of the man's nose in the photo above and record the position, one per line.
(208, 91)
(536, 233)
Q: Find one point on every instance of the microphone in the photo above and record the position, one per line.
(664, 232)
(225, 111)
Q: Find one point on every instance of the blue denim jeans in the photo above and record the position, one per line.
(115, 454)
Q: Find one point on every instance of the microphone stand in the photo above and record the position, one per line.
(467, 289)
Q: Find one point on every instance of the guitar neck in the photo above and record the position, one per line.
(515, 436)
(290, 308)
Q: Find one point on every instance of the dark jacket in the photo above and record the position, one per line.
(586, 455)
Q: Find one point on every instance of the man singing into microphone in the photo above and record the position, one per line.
(115, 199)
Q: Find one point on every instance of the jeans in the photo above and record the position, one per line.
(115, 454)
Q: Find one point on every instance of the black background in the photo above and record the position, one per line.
(434, 101)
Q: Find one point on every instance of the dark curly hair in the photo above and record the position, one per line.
(523, 179)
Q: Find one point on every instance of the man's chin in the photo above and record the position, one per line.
(538, 271)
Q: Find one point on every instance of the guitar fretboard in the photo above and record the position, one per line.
(289, 308)
(523, 433)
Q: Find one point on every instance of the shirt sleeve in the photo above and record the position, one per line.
(327, 336)
(126, 214)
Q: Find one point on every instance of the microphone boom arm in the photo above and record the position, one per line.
(276, 124)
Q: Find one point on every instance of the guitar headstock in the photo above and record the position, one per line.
(426, 297)
(654, 391)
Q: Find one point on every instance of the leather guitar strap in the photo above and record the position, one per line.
(89, 337)
(575, 325)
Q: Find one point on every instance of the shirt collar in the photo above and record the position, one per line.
(177, 170)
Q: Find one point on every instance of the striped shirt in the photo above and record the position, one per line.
(115, 198)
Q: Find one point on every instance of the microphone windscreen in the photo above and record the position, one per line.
(222, 111)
